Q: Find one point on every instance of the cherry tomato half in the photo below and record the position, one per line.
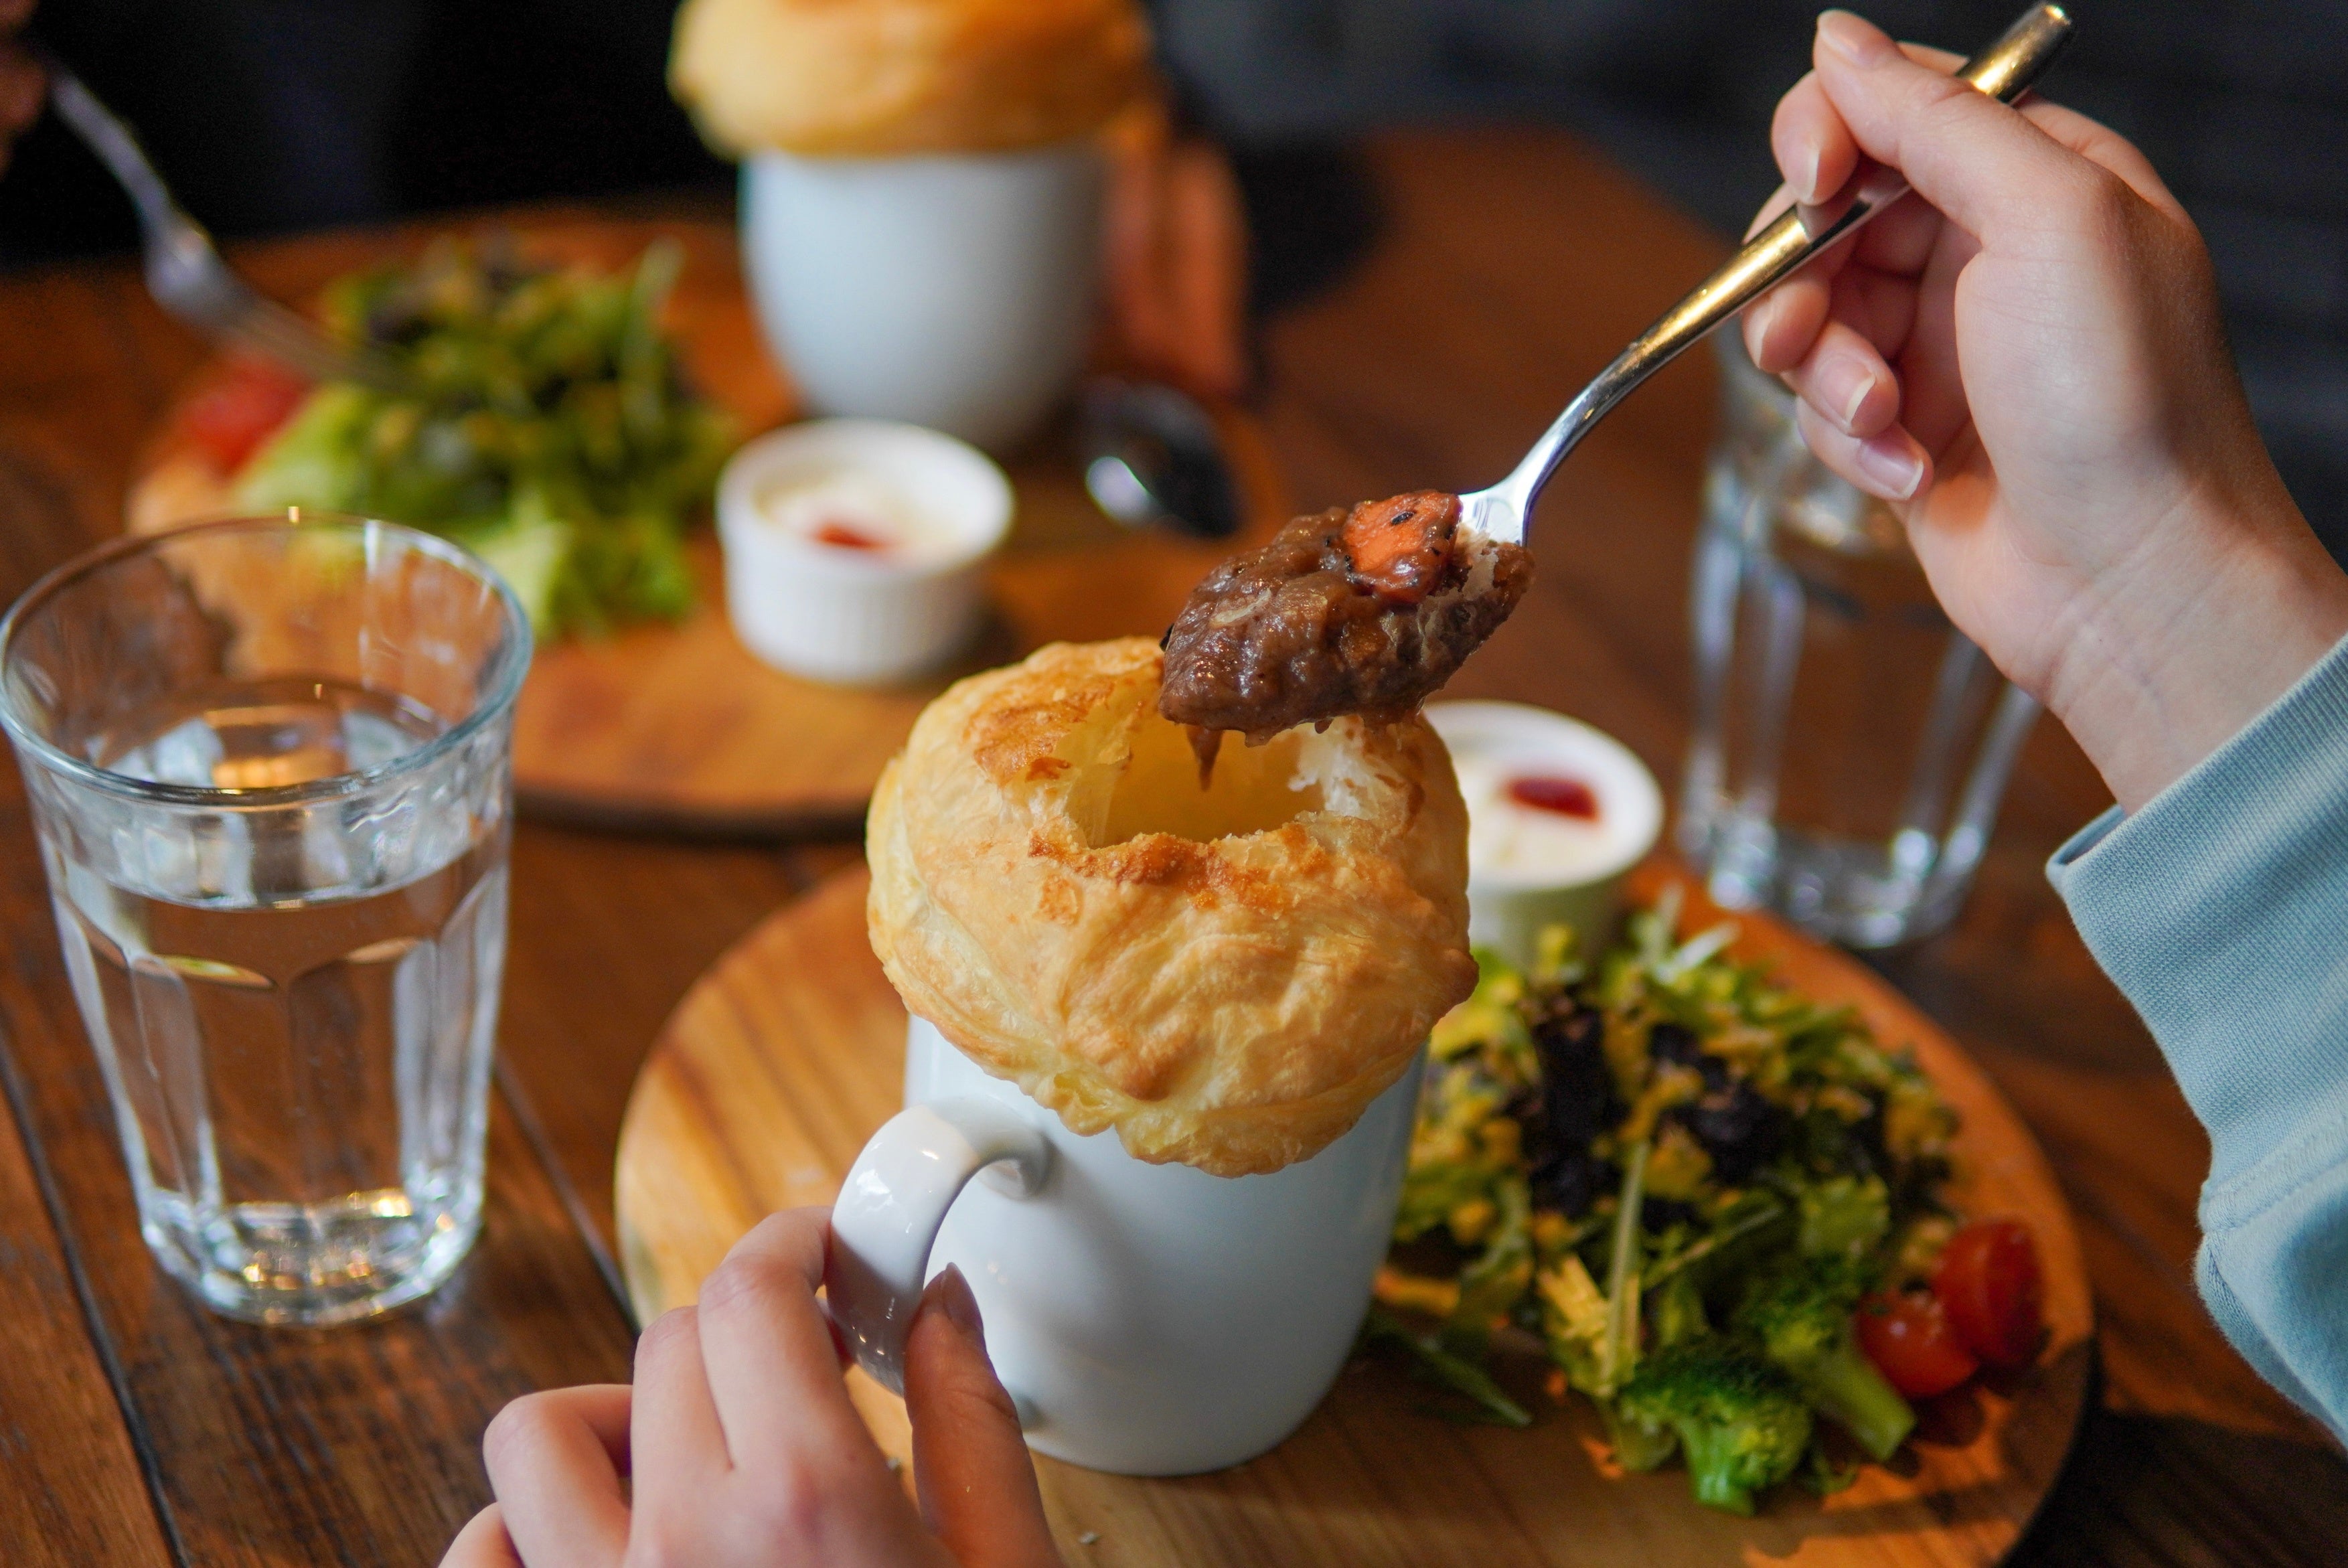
(1908, 1337)
(232, 416)
(1990, 1282)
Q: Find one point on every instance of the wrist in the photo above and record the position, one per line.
(2218, 614)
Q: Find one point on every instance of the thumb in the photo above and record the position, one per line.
(1978, 160)
(976, 1480)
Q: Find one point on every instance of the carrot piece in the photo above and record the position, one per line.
(1400, 547)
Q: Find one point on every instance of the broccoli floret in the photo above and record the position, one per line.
(1844, 1216)
(1801, 1318)
(1741, 1421)
(1639, 1444)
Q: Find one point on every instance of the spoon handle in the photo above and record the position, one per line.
(2004, 70)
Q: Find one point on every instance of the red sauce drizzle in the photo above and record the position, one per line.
(1565, 797)
(848, 536)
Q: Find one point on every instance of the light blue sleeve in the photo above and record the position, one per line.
(2221, 909)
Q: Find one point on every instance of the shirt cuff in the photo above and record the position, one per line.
(2218, 907)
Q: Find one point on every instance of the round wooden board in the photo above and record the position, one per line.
(678, 728)
(789, 1052)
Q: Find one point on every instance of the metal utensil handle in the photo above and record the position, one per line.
(105, 134)
(2004, 70)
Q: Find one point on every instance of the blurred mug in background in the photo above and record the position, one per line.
(925, 189)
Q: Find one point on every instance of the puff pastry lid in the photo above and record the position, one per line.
(1226, 976)
(863, 77)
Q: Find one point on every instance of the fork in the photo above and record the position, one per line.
(2004, 70)
(184, 270)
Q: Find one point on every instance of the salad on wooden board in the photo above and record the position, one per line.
(543, 422)
(1718, 1208)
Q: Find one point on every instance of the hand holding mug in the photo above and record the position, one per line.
(2025, 357)
(743, 1449)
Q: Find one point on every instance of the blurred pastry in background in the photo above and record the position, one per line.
(881, 77)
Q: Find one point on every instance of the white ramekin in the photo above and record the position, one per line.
(840, 615)
(1508, 907)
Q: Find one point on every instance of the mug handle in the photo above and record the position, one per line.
(892, 1203)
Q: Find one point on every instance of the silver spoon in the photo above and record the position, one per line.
(2004, 70)
(1153, 457)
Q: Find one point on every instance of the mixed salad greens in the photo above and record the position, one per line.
(546, 427)
(1684, 1181)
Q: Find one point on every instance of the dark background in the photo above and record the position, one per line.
(275, 115)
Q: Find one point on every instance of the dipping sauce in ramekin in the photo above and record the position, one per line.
(853, 547)
(845, 506)
(1557, 813)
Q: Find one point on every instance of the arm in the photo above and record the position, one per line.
(2217, 909)
(2025, 359)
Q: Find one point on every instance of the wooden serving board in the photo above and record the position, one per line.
(789, 1052)
(678, 728)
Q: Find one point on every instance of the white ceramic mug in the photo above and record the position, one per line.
(954, 291)
(1149, 1319)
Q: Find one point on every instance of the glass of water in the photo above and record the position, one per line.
(1851, 745)
(268, 764)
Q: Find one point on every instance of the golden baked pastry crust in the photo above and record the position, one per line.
(1049, 890)
(863, 77)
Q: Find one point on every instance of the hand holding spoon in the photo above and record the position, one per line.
(2004, 70)
(1371, 610)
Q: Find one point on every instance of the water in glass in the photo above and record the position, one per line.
(291, 1044)
(282, 898)
(1851, 745)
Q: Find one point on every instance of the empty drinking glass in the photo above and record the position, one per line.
(268, 766)
(1851, 745)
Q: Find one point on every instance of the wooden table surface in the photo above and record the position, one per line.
(135, 1428)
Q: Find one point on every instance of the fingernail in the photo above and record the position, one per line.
(950, 1293)
(1843, 387)
(1804, 176)
(1855, 38)
(1891, 460)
